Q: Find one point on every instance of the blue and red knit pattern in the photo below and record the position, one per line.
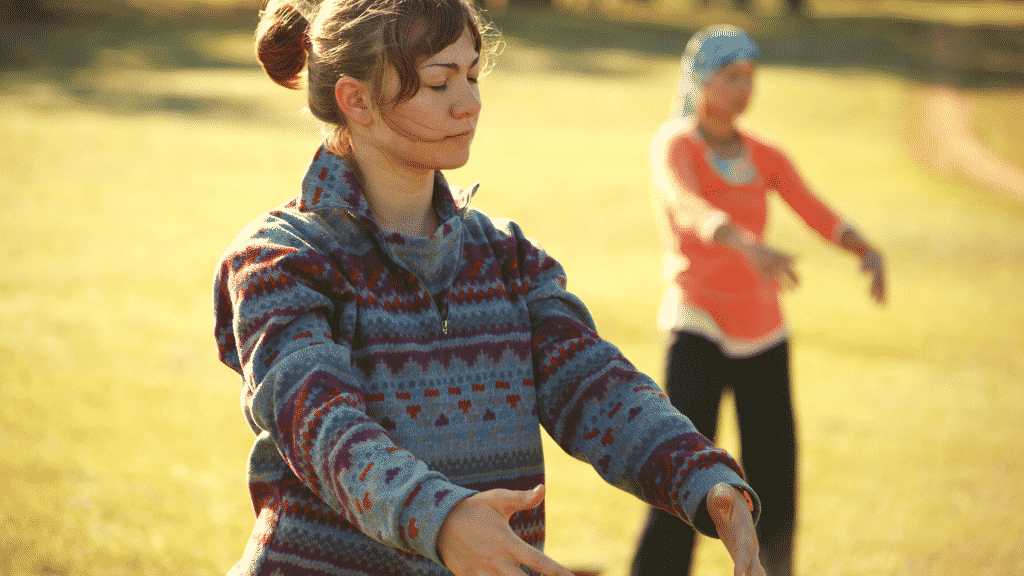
(385, 384)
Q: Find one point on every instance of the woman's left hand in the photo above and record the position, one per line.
(731, 514)
(871, 262)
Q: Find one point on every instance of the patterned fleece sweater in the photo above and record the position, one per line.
(387, 377)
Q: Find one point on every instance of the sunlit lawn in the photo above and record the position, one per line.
(123, 445)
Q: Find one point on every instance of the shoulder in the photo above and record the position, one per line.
(284, 226)
(674, 134)
(764, 148)
(288, 238)
(518, 258)
(496, 231)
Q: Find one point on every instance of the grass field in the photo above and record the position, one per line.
(123, 445)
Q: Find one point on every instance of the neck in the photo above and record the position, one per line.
(720, 134)
(400, 196)
(716, 128)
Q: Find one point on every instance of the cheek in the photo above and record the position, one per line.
(419, 116)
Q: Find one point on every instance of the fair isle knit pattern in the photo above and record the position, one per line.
(388, 377)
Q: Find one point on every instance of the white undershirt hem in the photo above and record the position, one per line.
(675, 316)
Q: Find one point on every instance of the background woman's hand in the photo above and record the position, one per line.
(871, 262)
(731, 514)
(476, 540)
(771, 263)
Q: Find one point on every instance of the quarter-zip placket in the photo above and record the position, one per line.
(440, 309)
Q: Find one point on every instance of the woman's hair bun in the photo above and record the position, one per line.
(282, 42)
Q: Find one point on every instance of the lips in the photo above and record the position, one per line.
(462, 139)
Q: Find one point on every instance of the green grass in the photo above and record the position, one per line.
(123, 445)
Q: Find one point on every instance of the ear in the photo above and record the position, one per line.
(354, 100)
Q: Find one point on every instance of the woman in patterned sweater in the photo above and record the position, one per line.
(399, 350)
(722, 308)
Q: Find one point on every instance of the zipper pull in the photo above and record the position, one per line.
(444, 326)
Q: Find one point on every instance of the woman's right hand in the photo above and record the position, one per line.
(731, 514)
(773, 264)
(476, 539)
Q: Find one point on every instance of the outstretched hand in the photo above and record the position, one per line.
(730, 513)
(476, 539)
(773, 264)
(871, 262)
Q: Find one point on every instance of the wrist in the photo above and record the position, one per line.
(735, 238)
(853, 242)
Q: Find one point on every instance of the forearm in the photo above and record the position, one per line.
(351, 463)
(599, 408)
(602, 410)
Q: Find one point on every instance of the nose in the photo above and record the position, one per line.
(467, 104)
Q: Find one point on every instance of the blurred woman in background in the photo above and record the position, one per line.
(712, 181)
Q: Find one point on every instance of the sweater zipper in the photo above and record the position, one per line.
(443, 317)
(383, 244)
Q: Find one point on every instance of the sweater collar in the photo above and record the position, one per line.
(331, 184)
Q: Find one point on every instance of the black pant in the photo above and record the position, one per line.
(698, 374)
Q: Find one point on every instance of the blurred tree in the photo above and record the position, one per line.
(21, 10)
(529, 4)
(795, 6)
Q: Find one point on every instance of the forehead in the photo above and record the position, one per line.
(737, 67)
(462, 52)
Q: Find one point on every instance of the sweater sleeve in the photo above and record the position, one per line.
(783, 177)
(676, 187)
(600, 409)
(284, 320)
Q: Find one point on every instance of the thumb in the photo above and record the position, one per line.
(522, 500)
(720, 503)
(721, 500)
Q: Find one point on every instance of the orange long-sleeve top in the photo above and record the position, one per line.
(713, 290)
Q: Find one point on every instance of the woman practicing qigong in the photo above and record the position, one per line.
(399, 350)
(722, 308)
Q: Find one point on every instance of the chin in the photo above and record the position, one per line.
(452, 161)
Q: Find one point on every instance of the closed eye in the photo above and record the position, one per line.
(443, 87)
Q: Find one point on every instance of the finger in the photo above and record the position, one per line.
(866, 262)
(754, 568)
(792, 276)
(720, 501)
(542, 563)
(878, 284)
(508, 568)
(735, 528)
(878, 289)
(786, 277)
(512, 501)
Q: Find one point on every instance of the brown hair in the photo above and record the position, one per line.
(359, 38)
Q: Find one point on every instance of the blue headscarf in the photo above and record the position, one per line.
(706, 52)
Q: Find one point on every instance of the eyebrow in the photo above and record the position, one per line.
(452, 65)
